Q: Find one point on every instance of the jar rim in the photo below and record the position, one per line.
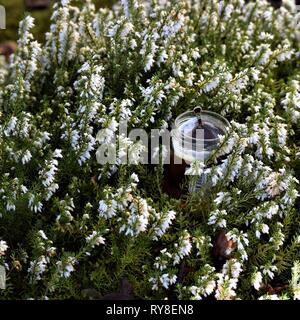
(212, 114)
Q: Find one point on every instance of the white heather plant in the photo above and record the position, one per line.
(68, 224)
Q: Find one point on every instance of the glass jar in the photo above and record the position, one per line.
(195, 136)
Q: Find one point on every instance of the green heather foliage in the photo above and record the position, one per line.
(68, 224)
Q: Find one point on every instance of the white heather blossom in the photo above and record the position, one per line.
(42, 139)
(202, 243)
(134, 177)
(275, 184)
(34, 204)
(173, 27)
(210, 287)
(217, 218)
(48, 175)
(3, 247)
(108, 210)
(263, 53)
(161, 262)
(102, 207)
(94, 239)
(269, 270)
(205, 285)
(257, 280)
(195, 169)
(25, 26)
(43, 235)
(154, 282)
(261, 228)
(128, 27)
(167, 280)
(182, 248)
(278, 236)
(220, 197)
(241, 240)
(291, 101)
(196, 292)
(213, 84)
(38, 267)
(66, 267)
(163, 223)
(236, 269)
(126, 8)
(10, 206)
(285, 55)
(65, 3)
(295, 282)
(11, 126)
(26, 157)
(138, 218)
(228, 280)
